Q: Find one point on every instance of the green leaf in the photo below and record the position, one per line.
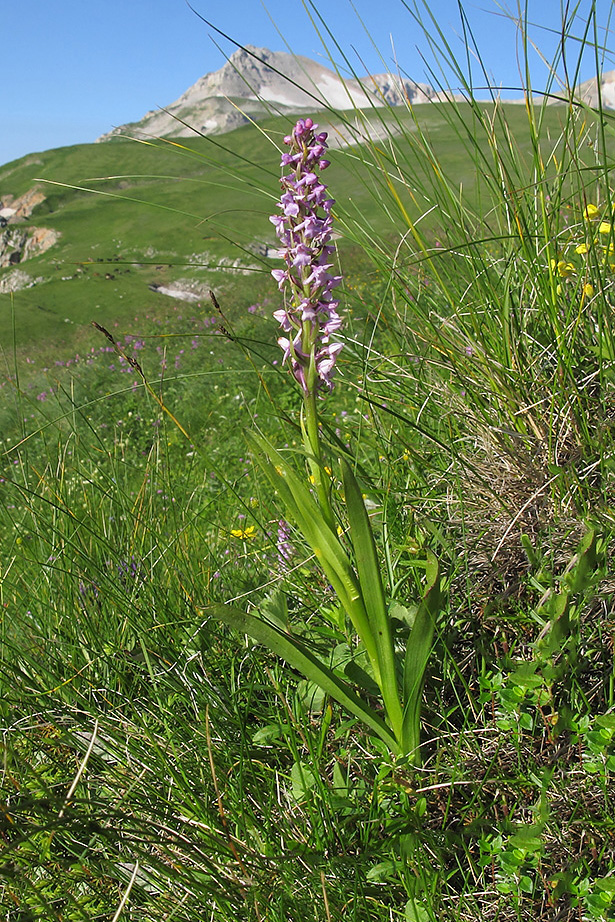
(275, 608)
(532, 556)
(340, 784)
(384, 870)
(297, 655)
(306, 513)
(303, 508)
(405, 614)
(360, 677)
(355, 665)
(370, 581)
(525, 676)
(416, 912)
(418, 650)
(559, 629)
(606, 883)
(578, 576)
(303, 780)
(583, 565)
(528, 838)
(267, 735)
(311, 695)
(526, 884)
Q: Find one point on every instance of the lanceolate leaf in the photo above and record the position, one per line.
(418, 650)
(297, 655)
(370, 581)
(306, 512)
(558, 628)
(303, 509)
(584, 565)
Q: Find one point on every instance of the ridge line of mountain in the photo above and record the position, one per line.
(256, 82)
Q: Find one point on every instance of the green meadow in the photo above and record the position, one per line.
(131, 214)
(259, 664)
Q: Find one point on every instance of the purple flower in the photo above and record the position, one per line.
(309, 316)
(284, 546)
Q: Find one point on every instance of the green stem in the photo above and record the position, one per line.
(354, 606)
(311, 441)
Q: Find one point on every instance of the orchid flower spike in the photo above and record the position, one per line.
(304, 226)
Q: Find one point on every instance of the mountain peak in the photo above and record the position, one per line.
(247, 51)
(255, 82)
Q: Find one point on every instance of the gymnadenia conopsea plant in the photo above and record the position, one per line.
(344, 547)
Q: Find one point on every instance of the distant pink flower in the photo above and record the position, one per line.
(284, 546)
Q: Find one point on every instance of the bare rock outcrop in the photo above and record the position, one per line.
(18, 244)
(396, 91)
(14, 210)
(12, 243)
(39, 240)
(19, 240)
(17, 280)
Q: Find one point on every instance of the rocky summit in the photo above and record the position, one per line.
(256, 82)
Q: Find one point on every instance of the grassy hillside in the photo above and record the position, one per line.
(266, 657)
(133, 214)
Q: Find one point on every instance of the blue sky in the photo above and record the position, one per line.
(72, 69)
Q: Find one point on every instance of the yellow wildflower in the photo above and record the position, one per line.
(588, 290)
(605, 227)
(243, 533)
(327, 471)
(581, 249)
(591, 212)
(563, 268)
